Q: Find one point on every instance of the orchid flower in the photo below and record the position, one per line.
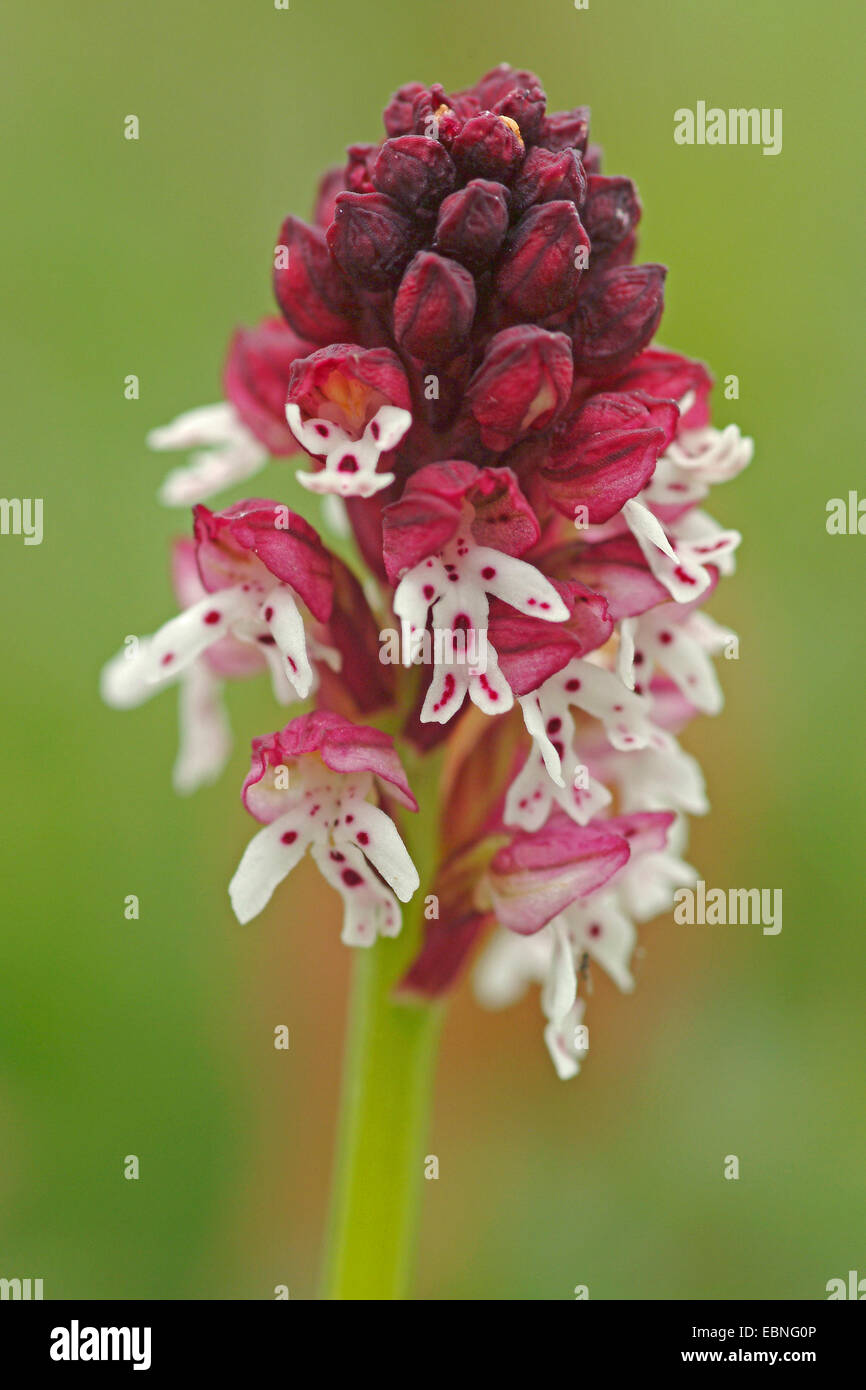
(452, 540)
(464, 353)
(234, 438)
(205, 739)
(348, 407)
(596, 925)
(330, 768)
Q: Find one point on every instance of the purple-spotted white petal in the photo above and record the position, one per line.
(595, 927)
(587, 686)
(311, 784)
(204, 741)
(680, 640)
(453, 587)
(349, 464)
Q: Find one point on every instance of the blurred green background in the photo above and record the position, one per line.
(155, 1037)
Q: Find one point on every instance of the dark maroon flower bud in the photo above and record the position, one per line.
(610, 215)
(566, 130)
(447, 126)
(435, 117)
(332, 182)
(315, 299)
(488, 147)
(525, 106)
(547, 253)
(592, 159)
(549, 175)
(669, 376)
(617, 318)
(464, 104)
(359, 168)
(398, 115)
(370, 239)
(606, 453)
(434, 308)
(472, 224)
(501, 81)
(415, 172)
(522, 384)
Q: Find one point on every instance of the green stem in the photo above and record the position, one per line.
(387, 1091)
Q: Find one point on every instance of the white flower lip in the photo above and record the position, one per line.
(453, 587)
(353, 843)
(350, 464)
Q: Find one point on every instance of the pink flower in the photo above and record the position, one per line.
(309, 785)
(452, 540)
(349, 406)
(255, 561)
(129, 680)
(522, 882)
(521, 386)
(593, 926)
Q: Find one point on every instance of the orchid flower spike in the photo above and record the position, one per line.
(515, 476)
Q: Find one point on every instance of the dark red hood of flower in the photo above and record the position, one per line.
(435, 500)
(342, 746)
(347, 384)
(615, 569)
(530, 650)
(535, 876)
(256, 378)
(529, 879)
(668, 376)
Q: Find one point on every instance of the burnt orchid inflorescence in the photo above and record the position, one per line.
(464, 354)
